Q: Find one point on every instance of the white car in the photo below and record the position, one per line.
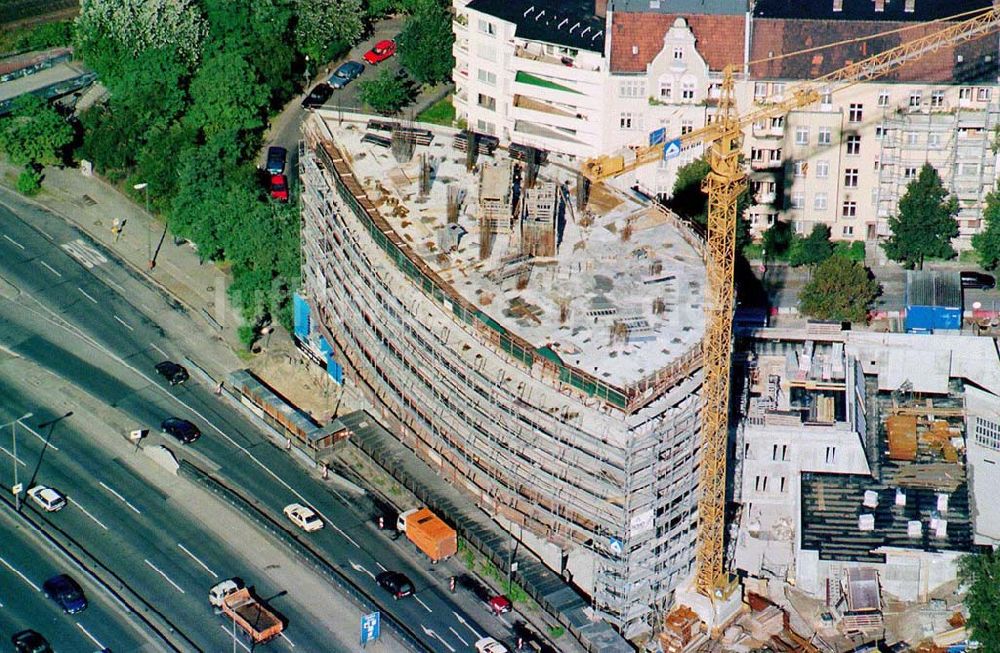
(490, 645)
(47, 498)
(222, 590)
(303, 517)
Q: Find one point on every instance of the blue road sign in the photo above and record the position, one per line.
(370, 627)
(672, 149)
(658, 136)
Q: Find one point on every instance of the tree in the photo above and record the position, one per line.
(34, 134)
(987, 242)
(925, 223)
(839, 290)
(981, 572)
(689, 201)
(111, 33)
(813, 249)
(226, 96)
(387, 93)
(425, 43)
(778, 239)
(326, 26)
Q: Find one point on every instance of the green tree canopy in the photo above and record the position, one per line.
(981, 572)
(425, 43)
(987, 242)
(689, 201)
(813, 249)
(925, 223)
(778, 239)
(226, 96)
(840, 289)
(34, 133)
(387, 93)
(326, 26)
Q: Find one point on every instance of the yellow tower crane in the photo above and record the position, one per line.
(724, 183)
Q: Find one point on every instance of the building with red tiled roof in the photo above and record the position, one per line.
(636, 38)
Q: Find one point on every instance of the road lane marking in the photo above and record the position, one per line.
(290, 642)
(7, 451)
(356, 567)
(431, 633)
(92, 638)
(86, 255)
(229, 633)
(23, 577)
(504, 621)
(167, 578)
(455, 632)
(422, 603)
(13, 241)
(41, 438)
(121, 498)
(465, 623)
(165, 354)
(115, 284)
(195, 558)
(124, 323)
(87, 512)
(86, 295)
(44, 233)
(51, 269)
(381, 567)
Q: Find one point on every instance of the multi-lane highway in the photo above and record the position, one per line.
(71, 310)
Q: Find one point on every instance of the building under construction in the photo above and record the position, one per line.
(553, 375)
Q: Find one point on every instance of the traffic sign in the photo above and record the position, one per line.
(17, 488)
(658, 136)
(370, 627)
(137, 434)
(672, 149)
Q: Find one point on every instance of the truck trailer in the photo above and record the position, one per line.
(252, 616)
(435, 538)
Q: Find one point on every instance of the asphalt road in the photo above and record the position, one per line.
(49, 263)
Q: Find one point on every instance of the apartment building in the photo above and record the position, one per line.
(844, 162)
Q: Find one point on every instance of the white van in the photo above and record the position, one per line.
(47, 498)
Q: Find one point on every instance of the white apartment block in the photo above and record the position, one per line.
(524, 74)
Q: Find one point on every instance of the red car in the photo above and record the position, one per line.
(382, 51)
(279, 188)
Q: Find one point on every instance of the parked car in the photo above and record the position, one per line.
(279, 188)
(496, 603)
(30, 641)
(276, 157)
(977, 280)
(395, 583)
(66, 592)
(173, 372)
(303, 517)
(47, 498)
(382, 51)
(345, 74)
(181, 429)
(489, 645)
(317, 97)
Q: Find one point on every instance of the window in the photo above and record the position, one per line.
(756, 483)
(987, 433)
(825, 136)
(487, 77)
(687, 126)
(854, 145)
(487, 102)
(879, 132)
(822, 169)
(802, 136)
(763, 486)
(915, 98)
(632, 88)
(800, 168)
(687, 89)
(850, 177)
(909, 173)
(912, 138)
(798, 200)
(937, 99)
(855, 112)
(774, 452)
(846, 230)
(485, 127)
(666, 88)
(784, 452)
(782, 484)
(486, 27)
(983, 94)
(849, 209)
(826, 97)
(970, 169)
(819, 202)
(778, 123)
(883, 98)
(777, 89)
(626, 120)
(678, 54)
(933, 140)
(486, 51)
(760, 90)
(965, 93)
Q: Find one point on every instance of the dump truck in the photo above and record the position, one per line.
(429, 532)
(251, 615)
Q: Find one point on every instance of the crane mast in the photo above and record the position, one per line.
(723, 185)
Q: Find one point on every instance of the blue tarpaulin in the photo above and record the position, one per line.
(300, 316)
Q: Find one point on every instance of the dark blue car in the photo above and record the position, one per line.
(66, 592)
(345, 73)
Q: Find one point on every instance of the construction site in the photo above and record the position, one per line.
(541, 352)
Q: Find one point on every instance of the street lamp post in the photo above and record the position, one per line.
(13, 438)
(149, 225)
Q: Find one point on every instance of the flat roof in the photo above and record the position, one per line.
(646, 288)
(570, 23)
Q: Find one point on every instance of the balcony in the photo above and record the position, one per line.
(768, 131)
(524, 102)
(766, 164)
